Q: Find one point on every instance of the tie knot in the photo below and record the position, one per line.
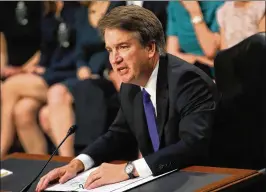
(146, 95)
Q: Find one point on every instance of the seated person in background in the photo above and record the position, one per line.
(239, 20)
(58, 115)
(192, 32)
(20, 36)
(3, 56)
(158, 89)
(22, 95)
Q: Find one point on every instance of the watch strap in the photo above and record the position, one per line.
(130, 175)
(197, 19)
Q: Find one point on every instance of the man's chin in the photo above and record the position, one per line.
(126, 80)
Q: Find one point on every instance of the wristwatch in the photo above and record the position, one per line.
(197, 19)
(129, 169)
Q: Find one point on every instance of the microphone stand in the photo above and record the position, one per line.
(71, 130)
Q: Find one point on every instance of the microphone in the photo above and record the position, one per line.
(71, 130)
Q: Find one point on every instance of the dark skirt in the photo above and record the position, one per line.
(52, 77)
(71, 83)
(96, 106)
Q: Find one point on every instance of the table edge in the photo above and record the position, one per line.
(237, 175)
(37, 157)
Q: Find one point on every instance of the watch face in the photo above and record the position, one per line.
(129, 168)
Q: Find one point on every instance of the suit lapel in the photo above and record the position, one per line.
(162, 96)
(140, 125)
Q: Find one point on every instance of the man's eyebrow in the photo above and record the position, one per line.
(122, 43)
(118, 44)
(127, 41)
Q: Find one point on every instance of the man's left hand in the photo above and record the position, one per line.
(106, 174)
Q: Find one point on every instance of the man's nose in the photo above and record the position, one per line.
(116, 58)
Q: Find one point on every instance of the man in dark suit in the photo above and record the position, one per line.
(167, 106)
(101, 94)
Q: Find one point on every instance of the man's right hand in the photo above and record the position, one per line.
(62, 174)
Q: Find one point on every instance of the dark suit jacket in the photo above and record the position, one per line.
(186, 100)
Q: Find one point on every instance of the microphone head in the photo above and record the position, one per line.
(72, 129)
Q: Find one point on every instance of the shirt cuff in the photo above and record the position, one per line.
(86, 160)
(142, 168)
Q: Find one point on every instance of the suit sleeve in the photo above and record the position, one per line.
(117, 144)
(195, 102)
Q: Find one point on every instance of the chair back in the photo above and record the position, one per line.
(239, 134)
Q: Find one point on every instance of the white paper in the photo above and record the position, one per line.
(74, 184)
(5, 172)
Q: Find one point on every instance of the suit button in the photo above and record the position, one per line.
(161, 166)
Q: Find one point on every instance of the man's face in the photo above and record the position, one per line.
(127, 56)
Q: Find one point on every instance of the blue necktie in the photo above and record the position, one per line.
(150, 117)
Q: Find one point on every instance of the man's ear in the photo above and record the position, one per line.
(151, 48)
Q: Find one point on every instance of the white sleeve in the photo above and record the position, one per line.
(220, 16)
(142, 168)
(86, 160)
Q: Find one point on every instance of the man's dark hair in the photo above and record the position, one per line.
(138, 20)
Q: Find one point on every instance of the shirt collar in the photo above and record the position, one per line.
(150, 87)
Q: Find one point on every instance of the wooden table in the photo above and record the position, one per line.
(236, 176)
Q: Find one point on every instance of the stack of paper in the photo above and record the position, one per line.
(77, 183)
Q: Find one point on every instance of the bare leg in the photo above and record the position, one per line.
(61, 117)
(13, 89)
(28, 130)
(45, 122)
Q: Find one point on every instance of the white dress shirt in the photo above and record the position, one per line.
(140, 165)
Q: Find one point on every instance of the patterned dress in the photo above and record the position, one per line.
(240, 22)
